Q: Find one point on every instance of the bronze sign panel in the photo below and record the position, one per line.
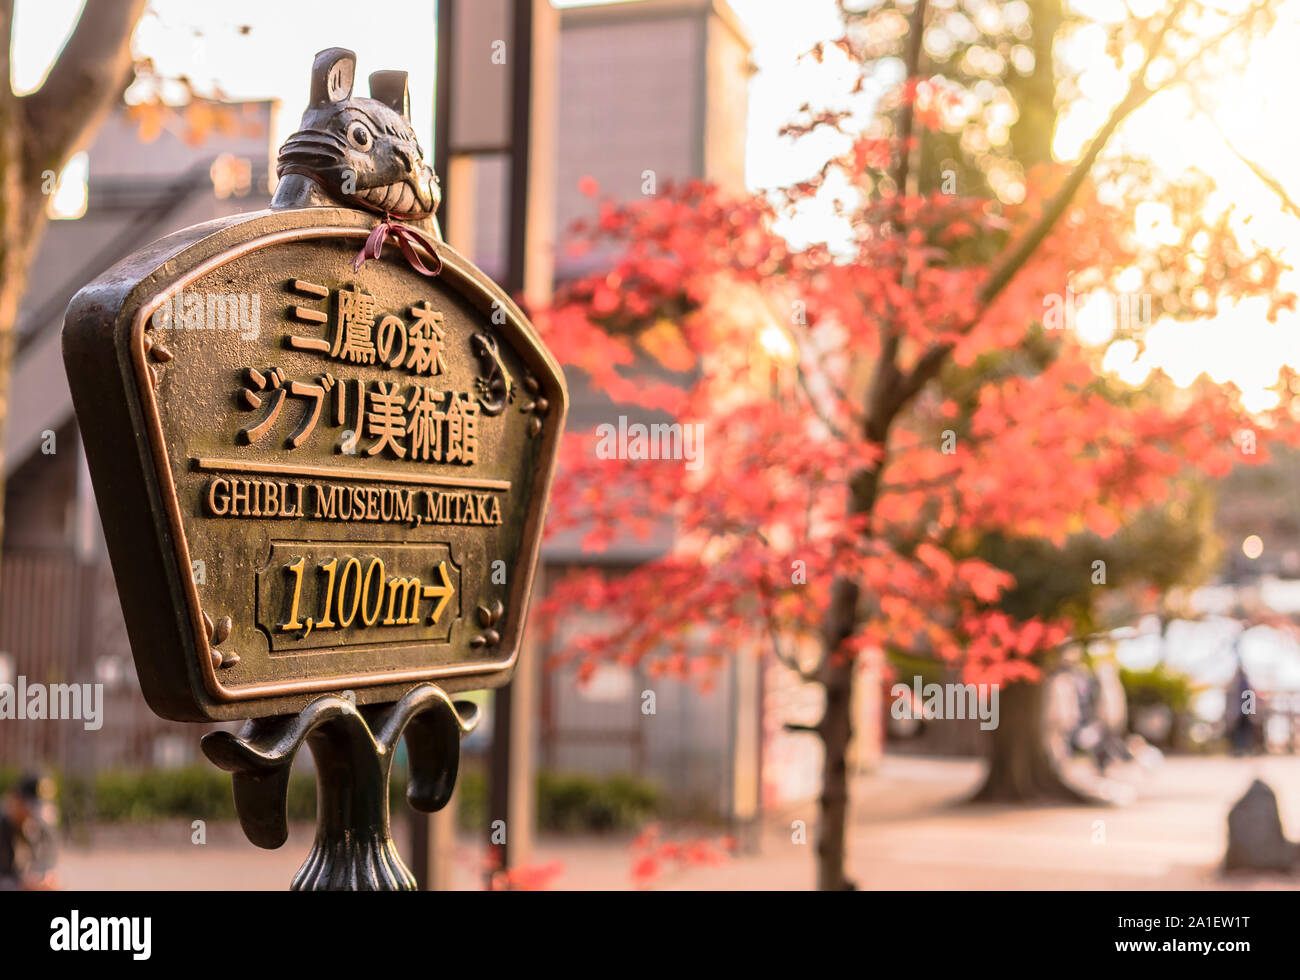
(322, 466)
(312, 478)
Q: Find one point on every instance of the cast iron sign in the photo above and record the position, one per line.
(322, 464)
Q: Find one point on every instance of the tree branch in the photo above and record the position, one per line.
(907, 117)
(10, 140)
(1020, 250)
(789, 661)
(89, 75)
(925, 369)
(1265, 177)
(885, 377)
(6, 33)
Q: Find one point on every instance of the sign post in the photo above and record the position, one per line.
(321, 443)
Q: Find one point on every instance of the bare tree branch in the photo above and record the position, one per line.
(907, 117)
(925, 368)
(885, 377)
(1020, 250)
(806, 387)
(1265, 177)
(91, 72)
(6, 31)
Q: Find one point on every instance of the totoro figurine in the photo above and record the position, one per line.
(357, 151)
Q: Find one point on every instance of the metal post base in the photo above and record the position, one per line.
(353, 749)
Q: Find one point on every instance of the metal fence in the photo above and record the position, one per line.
(60, 623)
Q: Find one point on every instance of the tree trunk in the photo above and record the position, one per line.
(12, 206)
(38, 133)
(16, 247)
(1021, 767)
(836, 731)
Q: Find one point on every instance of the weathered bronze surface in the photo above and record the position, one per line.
(313, 479)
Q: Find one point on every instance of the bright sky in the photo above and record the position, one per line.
(1253, 107)
(273, 60)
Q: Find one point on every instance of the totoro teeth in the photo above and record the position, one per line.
(395, 198)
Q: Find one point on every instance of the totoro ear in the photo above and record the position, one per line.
(331, 76)
(389, 87)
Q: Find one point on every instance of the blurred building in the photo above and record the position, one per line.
(650, 93)
(643, 94)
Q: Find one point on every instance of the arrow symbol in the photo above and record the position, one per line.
(442, 593)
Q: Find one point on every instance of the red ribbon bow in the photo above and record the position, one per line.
(404, 237)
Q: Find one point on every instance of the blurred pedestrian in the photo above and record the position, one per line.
(28, 825)
(1240, 715)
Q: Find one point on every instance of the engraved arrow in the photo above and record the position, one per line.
(442, 593)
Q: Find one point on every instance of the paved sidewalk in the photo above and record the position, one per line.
(910, 831)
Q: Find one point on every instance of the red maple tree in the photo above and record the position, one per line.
(839, 490)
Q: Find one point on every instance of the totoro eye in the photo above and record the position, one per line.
(359, 136)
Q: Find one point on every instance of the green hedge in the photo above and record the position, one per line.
(191, 793)
(565, 802)
(1157, 685)
(570, 802)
